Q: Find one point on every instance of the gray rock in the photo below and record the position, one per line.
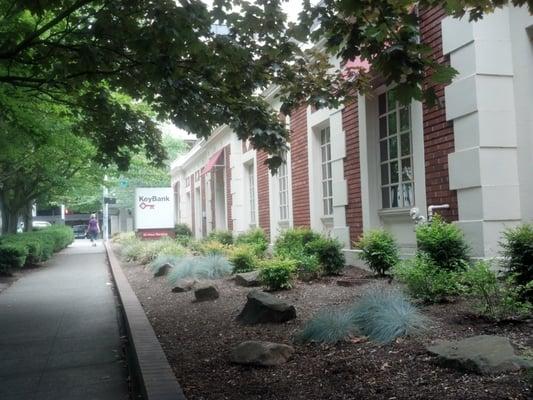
(482, 354)
(262, 307)
(248, 279)
(263, 354)
(163, 270)
(184, 286)
(206, 292)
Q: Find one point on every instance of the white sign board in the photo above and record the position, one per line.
(154, 208)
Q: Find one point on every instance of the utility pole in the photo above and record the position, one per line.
(105, 208)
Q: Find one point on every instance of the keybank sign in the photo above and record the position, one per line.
(155, 208)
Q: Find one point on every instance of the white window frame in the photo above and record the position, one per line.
(326, 171)
(250, 170)
(283, 189)
(395, 132)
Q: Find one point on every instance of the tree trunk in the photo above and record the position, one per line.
(28, 218)
(12, 222)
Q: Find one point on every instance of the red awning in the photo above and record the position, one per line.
(215, 160)
(353, 67)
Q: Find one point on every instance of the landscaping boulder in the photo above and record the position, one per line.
(482, 354)
(206, 292)
(184, 285)
(163, 270)
(263, 354)
(248, 279)
(262, 307)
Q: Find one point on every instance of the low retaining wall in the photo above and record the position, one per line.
(156, 379)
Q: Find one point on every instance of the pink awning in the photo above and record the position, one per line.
(353, 66)
(215, 160)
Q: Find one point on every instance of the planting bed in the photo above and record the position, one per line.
(198, 337)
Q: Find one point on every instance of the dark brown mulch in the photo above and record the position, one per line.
(198, 337)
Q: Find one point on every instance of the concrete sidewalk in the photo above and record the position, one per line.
(59, 332)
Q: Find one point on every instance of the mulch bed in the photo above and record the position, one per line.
(198, 337)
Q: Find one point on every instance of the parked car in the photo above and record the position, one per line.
(80, 231)
(40, 224)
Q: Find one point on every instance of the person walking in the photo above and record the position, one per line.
(93, 229)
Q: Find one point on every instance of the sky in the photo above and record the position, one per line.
(291, 7)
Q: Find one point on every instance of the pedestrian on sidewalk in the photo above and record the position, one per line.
(93, 229)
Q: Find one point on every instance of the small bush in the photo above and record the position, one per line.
(494, 298)
(214, 247)
(12, 256)
(243, 259)
(278, 273)
(223, 237)
(517, 250)
(293, 242)
(444, 243)
(183, 230)
(308, 266)
(379, 250)
(208, 267)
(425, 280)
(329, 326)
(329, 253)
(184, 240)
(385, 314)
(145, 251)
(124, 238)
(255, 239)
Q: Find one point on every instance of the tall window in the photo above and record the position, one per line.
(395, 153)
(283, 184)
(251, 195)
(327, 181)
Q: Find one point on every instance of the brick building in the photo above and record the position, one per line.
(366, 164)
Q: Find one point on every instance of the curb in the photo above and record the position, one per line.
(156, 378)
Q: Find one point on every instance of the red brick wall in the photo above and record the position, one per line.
(300, 168)
(204, 207)
(438, 134)
(352, 170)
(263, 193)
(229, 199)
(193, 225)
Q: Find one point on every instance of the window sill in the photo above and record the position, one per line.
(394, 212)
(284, 223)
(327, 220)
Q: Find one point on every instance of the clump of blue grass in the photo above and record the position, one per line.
(212, 266)
(329, 326)
(163, 259)
(385, 314)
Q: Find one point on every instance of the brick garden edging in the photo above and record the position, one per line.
(156, 378)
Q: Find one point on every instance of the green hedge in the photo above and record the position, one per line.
(22, 249)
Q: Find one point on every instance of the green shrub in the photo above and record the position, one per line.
(379, 250)
(517, 250)
(243, 259)
(278, 273)
(292, 242)
(425, 280)
(329, 326)
(492, 297)
(214, 247)
(329, 254)
(385, 314)
(184, 240)
(12, 256)
(444, 243)
(255, 239)
(183, 230)
(206, 267)
(123, 238)
(145, 251)
(307, 266)
(223, 237)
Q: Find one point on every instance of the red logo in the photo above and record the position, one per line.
(144, 205)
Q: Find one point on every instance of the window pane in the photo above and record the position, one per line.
(407, 171)
(395, 196)
(385, 197)
(392, 123)
(330, 188)
(391, 100)
(384, 174)
(328, 147)
(383, 151)
(394, 172)
(329, 171)
(324, 154)
(404, 119)
(405, 144)
(382, 127)
(408, 195)
(330, 204)
(382, 104)
(324, 171)
(393, 147)
(325, 201)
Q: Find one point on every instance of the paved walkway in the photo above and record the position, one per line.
(59, 336)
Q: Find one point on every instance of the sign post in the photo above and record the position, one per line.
(154, 212)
